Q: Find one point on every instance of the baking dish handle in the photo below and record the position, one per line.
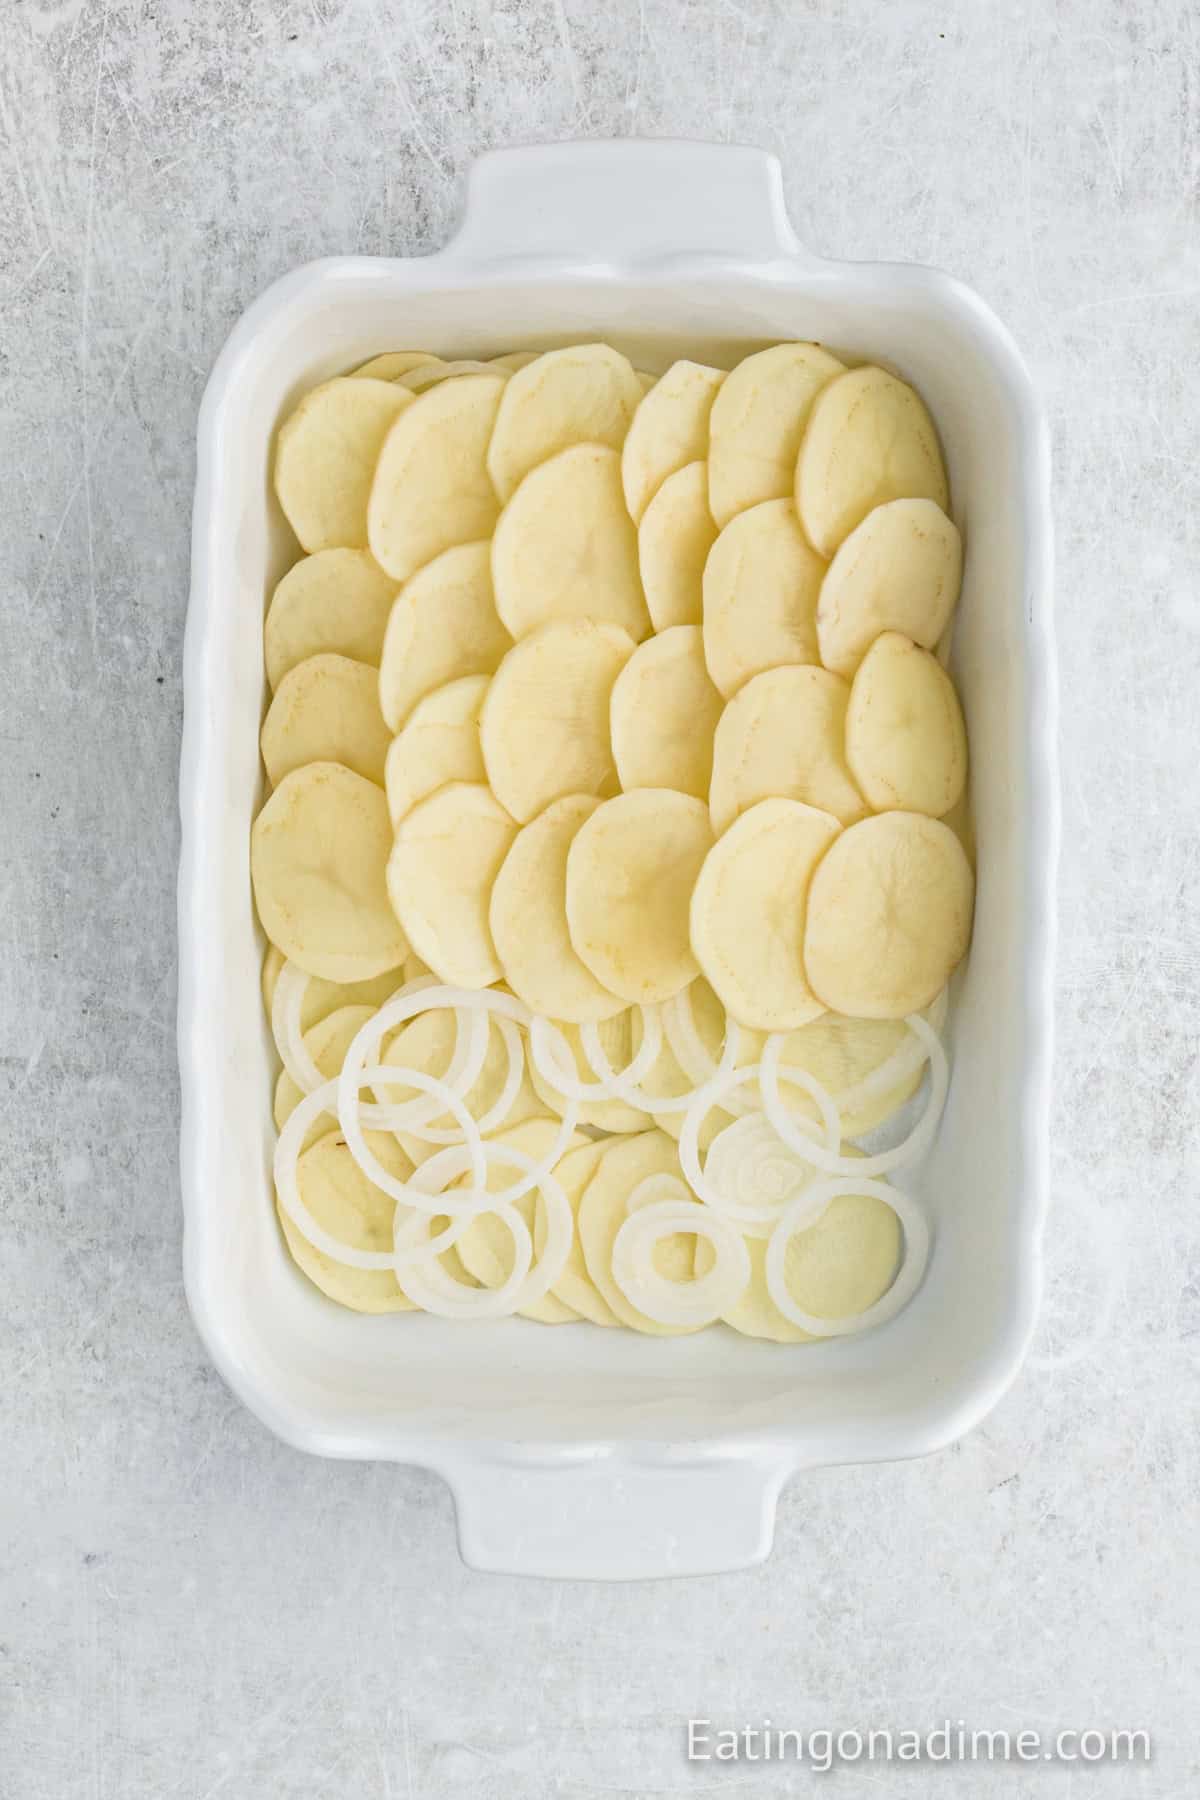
(609, 1519)
(628, 199)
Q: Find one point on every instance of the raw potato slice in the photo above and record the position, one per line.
(900, 570)
(664, 712)
(431, 488)
(528, 919)
(575, 1287)
(783, 736)
(565, 548)
(646, 380)
(842, 1053)
(889, 916)
(905, 738)
(670, 429)
(337, 600)
(835, 1269)
(616, 1036)
(427, 1043)
(587, 394)
(512, 360)
(757, 422)
(869, 440)
(323, 997)
(438, 742)
(446, 856)
(761, 585)
(630, 875)
(349, 1206)
(326, 710)
(443, 625)
(394, 363)
(486, 1246)
(429, 374)
(748, 913)
(544, 725)
(326, 455)
(327, 1044)
(318, 861)
(676, 533)
(665, 1078)
(625, 1164)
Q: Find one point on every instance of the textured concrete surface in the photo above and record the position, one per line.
(189, 1609)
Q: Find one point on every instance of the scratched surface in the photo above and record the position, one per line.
(189, 1609)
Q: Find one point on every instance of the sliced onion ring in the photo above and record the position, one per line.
(697, 1302)
(622, 1084)
(287, 1004)
(906, 1060)
(714, 1093)
(349, 1114)
(752, 1175)
(804, 1212)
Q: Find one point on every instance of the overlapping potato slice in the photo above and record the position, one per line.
(575, 1287)
(616, 1041)
(337, 600)
(761, 586)
(839, 1267)
(486, 1246)
(757, 423)
(426, 375)
(783, 736)
(906, 743)
(747, 913)
(323, 997)
(528, 919)
(325, 459)
(318, 860)
(431, 489)
(900, 570)
(845, 1056)
(394, 363)
(586, 394)
(348, 1205)
(544, 726)
(664, 712)
(443, 625)
(625, 1163)
(327, 1044)
(869, 440)
(669, 430)
(438, 742)
(565, 547)
(512, 360)
(426, 1044)
(447, 853)
(326, 709)
(675, 536)
(889, 916)
(630, 873)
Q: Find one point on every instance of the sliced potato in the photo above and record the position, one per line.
(438, 742)
(326, 455)
(747, 916)
(318, 861)
(669, 430)
(544, 725)
(427, 375)
(326, 709)
(443, 625)
(427, 1044)
(394, 363)
(630, 873)
(869, 440)
(757, 422)
(616, 1040)
(512, 360)
(348, 1205)
(575, 1287)
(528, 919)
(626, 1163)
(663, 715)
(675, 536)
(586, 394)
(337, 600)
(906, 743)
(327, 1044)
(565, 547)
(842, 1054)
(431, 489)
(486, 1246)
(646, 380)
(447, 854)
(900, 570)
(889, 916)
(324, 997)
(761, 585)
(837, 1268)
(783, 735)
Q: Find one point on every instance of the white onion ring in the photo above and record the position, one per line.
(697, 1302)
(622, 1084)
(419, 997)
(907, 1059)
(714, 1094)
(752, 1175)
(349, 1115)
(500, 1108)
(287, 1004)
(804, 1212)
(554, 1061)
(692, 1053)
(435, 1290)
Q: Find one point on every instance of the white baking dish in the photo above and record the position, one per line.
(583, 1452)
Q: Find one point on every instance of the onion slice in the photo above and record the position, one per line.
(804, 1212)
(287, 1004)
(697, 1302)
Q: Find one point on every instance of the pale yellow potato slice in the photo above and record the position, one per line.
(586, 394)
(630, 873)
(761, 585)
(348, 1205)
(565, 547)
(669, 430)
(665, 1078)
(486, 1246)
(675, 536)
(443, 625)
(431, 488)
(394, 363)
(783, 736)
(318, 861)
(836, 1269)
(325, 459)
(337, 600)
(528, 919)
(327, 1044)
(447, 854)
(323, 997)
(663, 715)
(427, 1044)
(842, 1053)
(428, 374)
(869, 440)
(906, 743)
(326, 709)
(575, 1287)
(544, 727)
(646, 380)
(900, 570)
(616, 1040)
(512, 360)
(747, 917)
(757, 423)
(626, 1163)
(889, 916)
(438, 742)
